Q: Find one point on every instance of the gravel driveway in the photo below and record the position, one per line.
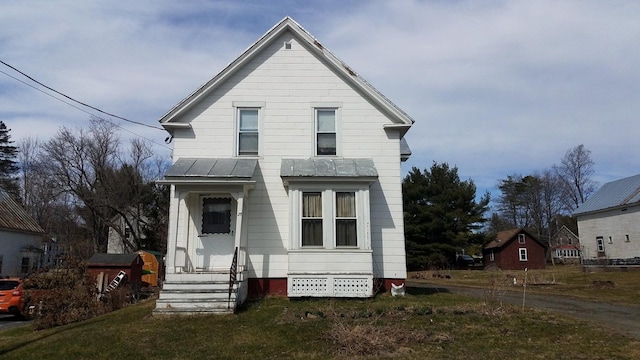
(624, 319)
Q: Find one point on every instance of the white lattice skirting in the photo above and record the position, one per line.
(330, 285)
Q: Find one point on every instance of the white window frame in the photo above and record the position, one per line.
(521, 238)
(363, 236)
(351, 218)
(239, 106)
(335, 107)
(522, 254)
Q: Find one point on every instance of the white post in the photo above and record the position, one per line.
(524, 287)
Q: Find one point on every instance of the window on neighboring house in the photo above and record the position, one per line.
(600, 244)
(216, 215)
(492, 256)
(326, 142)
(248, 129)
(346, 234)
(312, 219)
(521, 238)
(24, 266)
(626, 238)
(523, 254)
(610, 240)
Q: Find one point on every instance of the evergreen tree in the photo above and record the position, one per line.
(441, 214)
(8, 164)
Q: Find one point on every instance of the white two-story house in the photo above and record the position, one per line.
(285, 180)
(609, 224)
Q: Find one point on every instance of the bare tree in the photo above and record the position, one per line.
(575, 173)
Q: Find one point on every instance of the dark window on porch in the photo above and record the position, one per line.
(216, 216)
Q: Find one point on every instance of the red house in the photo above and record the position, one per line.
(514, 249)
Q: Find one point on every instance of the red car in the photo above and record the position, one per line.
(10, 292)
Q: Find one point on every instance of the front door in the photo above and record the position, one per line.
(215, 242)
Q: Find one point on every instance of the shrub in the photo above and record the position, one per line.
(66, 295)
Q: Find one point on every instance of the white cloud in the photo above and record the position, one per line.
(496, 87)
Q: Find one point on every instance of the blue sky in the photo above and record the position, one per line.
(495, 87)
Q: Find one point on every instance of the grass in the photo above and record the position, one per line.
(610, 286)
(417, 326)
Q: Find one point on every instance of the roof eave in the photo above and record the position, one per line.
(204, 181)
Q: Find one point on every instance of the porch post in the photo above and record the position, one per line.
(177, 236)
(171, 233)
(239, 196)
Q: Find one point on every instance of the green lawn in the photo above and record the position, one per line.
(611, 286)
(417, 326)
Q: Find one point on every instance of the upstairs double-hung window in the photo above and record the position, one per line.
(326, 139)
(248, 129)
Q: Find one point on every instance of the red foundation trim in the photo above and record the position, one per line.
(278, 286)
(386, 283)
(271, 286)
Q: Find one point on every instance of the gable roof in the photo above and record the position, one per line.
(505, 237)
(14, 218)
(400, 119)
(564, 229)
(611, 195)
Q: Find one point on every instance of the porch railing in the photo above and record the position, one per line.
(233, 274)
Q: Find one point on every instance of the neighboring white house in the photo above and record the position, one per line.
(290, 157)
(609, 224)
(20, 239)
(122, 240)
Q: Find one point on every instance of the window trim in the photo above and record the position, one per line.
(521, 252)
(248, 105)
(521, 239)
(363, 231)
(336, 218)
(600, 244)
(336, 107)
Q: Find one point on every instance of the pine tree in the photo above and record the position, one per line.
(8, 164)
(441, 215)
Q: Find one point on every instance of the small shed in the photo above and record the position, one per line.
(514, 249)
(112, 264)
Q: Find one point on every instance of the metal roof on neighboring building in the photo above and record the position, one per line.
(613, 194)
(14, 218)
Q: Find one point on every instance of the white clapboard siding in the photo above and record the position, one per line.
(290, 83)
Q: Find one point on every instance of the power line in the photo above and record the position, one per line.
(79, 102)
(74, 100)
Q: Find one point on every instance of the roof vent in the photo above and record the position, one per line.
(287, 45)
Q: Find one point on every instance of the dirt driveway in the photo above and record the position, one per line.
(624, 319)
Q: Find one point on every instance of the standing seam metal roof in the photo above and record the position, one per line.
(613, 194)
(212, 168)
(14, 218)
